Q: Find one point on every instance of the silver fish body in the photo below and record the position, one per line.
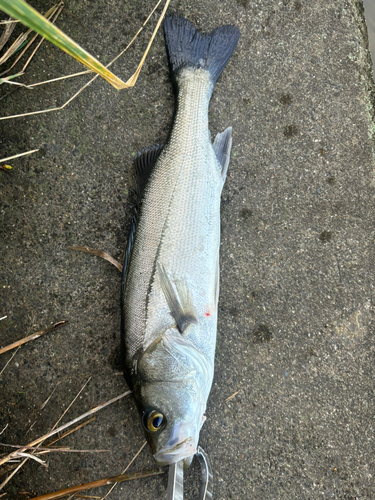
(170, 295)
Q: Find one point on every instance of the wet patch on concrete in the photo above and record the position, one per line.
(290, 130)
(262, 334)
(325, 236)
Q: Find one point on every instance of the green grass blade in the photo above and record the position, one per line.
(3, 80)
(31, 18)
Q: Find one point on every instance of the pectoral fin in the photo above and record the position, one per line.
(179, 301)
(222, 146)
(217, 282)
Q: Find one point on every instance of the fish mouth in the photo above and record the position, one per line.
(169, 455)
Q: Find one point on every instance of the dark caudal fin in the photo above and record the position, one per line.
(187, 47)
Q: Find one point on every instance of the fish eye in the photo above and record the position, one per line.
(153, 420)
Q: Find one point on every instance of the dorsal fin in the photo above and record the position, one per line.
(180, 306)
(143, 165)
(222, 146)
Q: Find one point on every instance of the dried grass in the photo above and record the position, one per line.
(131, 81)
(34, 336)
(8, 30)
(229, 398)
(100, 482)
(42, 451)
(98, 253)
(72, 430)
(52, 14)
(21, 452)
(18, 155)
(9, 360)
(124, 471)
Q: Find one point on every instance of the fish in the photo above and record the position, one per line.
(170, 280)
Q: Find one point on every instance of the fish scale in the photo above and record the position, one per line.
(179, 220)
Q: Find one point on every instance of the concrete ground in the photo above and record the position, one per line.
(295, 336)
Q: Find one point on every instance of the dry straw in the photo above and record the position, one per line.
(9, 6)
(19, 154)
(38, 23)
(22, 452)
(130, 82)
(99, 253)
(34, 336)
(100, 482)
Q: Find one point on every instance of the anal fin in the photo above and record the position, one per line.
(179, 301)
(222, 146)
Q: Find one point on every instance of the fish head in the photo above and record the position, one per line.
(175, 380)
(172, 419)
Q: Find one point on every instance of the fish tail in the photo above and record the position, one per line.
(187, 47)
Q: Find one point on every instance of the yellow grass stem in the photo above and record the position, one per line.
(71, 431)
(98, 483)
(99, 253)
(130, 83)
(19, 154)
(34, 20)
(124, 471)
(63, 427)
(32, 337)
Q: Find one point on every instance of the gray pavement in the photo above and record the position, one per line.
(295, 338)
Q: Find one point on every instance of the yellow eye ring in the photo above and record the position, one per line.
(153, 420)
